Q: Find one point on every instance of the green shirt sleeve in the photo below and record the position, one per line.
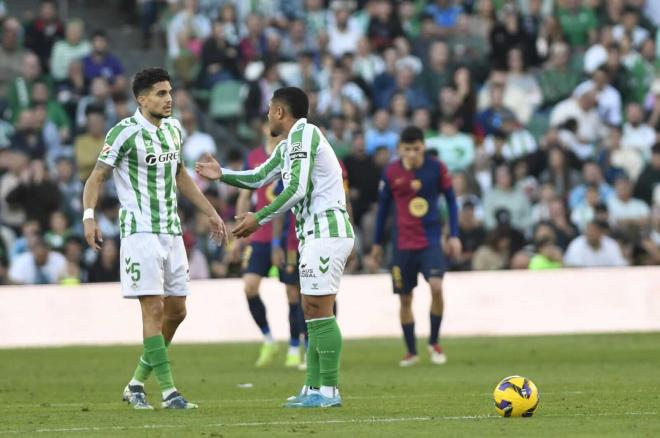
(302, 154)
(257, 177)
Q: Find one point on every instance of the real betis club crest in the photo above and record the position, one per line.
(324, 264)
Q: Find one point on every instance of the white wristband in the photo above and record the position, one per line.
(88, 214)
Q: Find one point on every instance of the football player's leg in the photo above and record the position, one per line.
(404, 279)
(433, 268)
(296, 325)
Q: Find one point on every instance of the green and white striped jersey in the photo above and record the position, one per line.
(313, 185)
(145, 160)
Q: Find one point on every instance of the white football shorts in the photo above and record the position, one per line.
(153, 264)
(322, 263)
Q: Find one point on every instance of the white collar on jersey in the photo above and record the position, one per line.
(296, 125)
(146, 124)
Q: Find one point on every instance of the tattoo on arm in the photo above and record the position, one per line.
(103, 169)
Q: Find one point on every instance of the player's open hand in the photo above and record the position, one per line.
(92, 234)
(454, 247)
(218, 229)
(246, 225)
(208, 167)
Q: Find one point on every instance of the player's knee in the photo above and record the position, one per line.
(153, 311)
(436, 287)
(176, 316)
(406, 301)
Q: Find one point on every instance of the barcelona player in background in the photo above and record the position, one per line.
(414, 183)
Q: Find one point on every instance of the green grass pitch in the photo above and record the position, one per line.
(596, 385)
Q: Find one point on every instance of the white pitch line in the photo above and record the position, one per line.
(269, 400)
(368, 420)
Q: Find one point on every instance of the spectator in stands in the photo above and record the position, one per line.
(518, 77)
(547, 254)
(219, 59)
(472, 235)
(637, 135)
(384, 26)
(343, 33)
(297, 41)
(503, 195)
(253, 45)
(511, 141)
(366, 64)
(260, 92)
(13, 215)
(558, 172)
(585, 212)
(579, 23)
(363, 178)
(581, 108)
(43, 31)
(596, 54)
(19, 92)
(591, 174)
(40, 265)
(70, 189)
(47, 130)
(380, 134)
(594, 249)
(505, 35)
(87, 145)
(626, 211)
(558, 78)
(99, 97)
(189, 27)
(454, 148)
(617, 72)
(58, 231)
(27, 138)
(100, 63)
(491, 117)
(629, 25)
(106, 267)
(196, 143)
(609, 99)
(445, 13)
(437, 71)
(68, 50)
(11, 51)
(36, 194)
(339, 136)
(341, 88)
(108, 217)
(41, 95)
(649, 178)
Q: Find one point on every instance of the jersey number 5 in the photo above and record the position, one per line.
(133, 269)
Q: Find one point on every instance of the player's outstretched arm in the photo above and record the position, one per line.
(251, 179)
(189, 189)
(90, 197)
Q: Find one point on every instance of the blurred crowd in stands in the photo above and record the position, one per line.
(547, 113)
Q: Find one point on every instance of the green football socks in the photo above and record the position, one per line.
(313, 376)
(325, 335)
(143, 369)
(155, 352)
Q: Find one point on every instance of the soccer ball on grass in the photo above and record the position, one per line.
(516, 396)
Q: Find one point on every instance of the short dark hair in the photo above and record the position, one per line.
(99, 33)
(411, 134)
(295, 99)
(145, 79)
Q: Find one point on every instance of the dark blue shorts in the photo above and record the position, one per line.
(256, 259)
(289, 273)
(407, 264)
